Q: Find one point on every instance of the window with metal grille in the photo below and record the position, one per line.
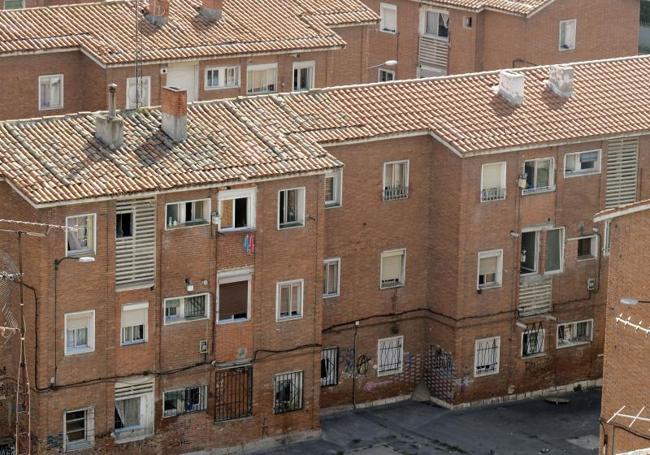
(390, 355)
(182, 401)
(288, 392)
(574, 333)
(233, 393)
(329, 367)
(396, 180)
(486, 356)
(532, 341)
(179, 309)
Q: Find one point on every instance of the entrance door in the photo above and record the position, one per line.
(184, 76)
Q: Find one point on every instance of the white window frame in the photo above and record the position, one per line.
(594, 248)
(309, 65)
(147, 101)
(204, 392)
(382, 17)
(551, 177)
(384, 70)
(337, 175)
(222, 79)
(406, 180)
(235, 276)
(537, 354)
(181, 318)
(578, 343)
(90, 345)
(503, 187)
(423, 23)
(498, 366)
(326, 263)
(182, 224)
(301, 305)
(89, 430)
(88, 251)
(399, 370)
(607, 237)
(226, 195)
(575, 35)
(562, 249)
(537, 233)
(388, 253)
(40, 98)
(499, 273)
(302, 191)
(262, 67)
(135, 307)
(579, 173)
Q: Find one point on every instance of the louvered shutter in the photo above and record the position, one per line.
(622, 165)
(135, 256)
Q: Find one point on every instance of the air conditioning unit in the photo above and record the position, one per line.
(591, 284)
(203, 347)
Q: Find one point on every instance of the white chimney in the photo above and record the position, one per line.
(561, 79)
(108, 127)
(511, 87)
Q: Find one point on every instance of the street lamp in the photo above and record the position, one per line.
(388, 63)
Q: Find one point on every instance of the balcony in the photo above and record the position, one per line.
(493, 194)
(535, 296)
(433, 52)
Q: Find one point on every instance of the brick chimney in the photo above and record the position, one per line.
(108, 127)
(511, 87)
(211, 10)
(174, 113)
(560, 80)
(157, 12)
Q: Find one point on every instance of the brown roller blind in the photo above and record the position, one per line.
(233, 300)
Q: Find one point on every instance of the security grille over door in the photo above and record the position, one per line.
(135, 242)
(233, 393)
(329, 367)
(622, 164)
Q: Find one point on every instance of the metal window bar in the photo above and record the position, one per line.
(487, 354)
(390, 356)
(288, 392)
(195, 307)
(396, 192)
(329, 367)
(533, 340)
(493, 194)
(233, 393)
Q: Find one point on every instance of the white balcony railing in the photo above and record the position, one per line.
(535, 296)
(396, 192)
(493, 194)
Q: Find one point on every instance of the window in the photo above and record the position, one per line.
(236, 210)
(188, 308)
(182, 401)
(134, 323)
(554, 257)
(467, 21)
(291, 208)
(436, 24)
(234, 295)
(134, 408)
(289, 299)
(490, 266)
(607, 237)
(14, 4)
(493, 182)
(329, 367)
(80, 235)
(262, 78)
(123, 225)
(386, 75)
(393, 269)
(396, 180)
(50, 94)
(233, 393)
(539, 176)
(138, 95)
(532, 342)
(587, 247)
(303, 76)
(574, 333)
(529, 252)
(220, 78)
(333, 188)
(582, 163)
(331, 277)
(388, 21)
(568, 35)
(79, 332)
(79, 429)
(486, 356)
(187, 213)
(390, 355)
(288, 392)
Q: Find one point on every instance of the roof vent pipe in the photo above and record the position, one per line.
(211, 10)
(157, 12)
(511, 87)
(109, 128)
(174, 113)
(561, 79)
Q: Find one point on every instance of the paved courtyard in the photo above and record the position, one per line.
(410, 428)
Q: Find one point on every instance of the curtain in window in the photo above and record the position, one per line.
(443, 25)
(78, 234)
(543, 174)
(553, 250)
(431, 19)
(127, 413)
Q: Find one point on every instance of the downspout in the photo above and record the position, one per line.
(354, 365)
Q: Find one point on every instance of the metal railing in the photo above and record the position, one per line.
(329, 367)
(395, 192)
(288, 392)
(233, 393)
(493, 194)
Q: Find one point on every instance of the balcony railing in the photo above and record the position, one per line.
(535, 296)
(433, 52)
(396, 192)
(493, 194)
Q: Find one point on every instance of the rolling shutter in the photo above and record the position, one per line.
(135, 256)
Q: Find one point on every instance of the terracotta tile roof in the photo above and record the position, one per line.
(519, 7)
(105, 30)
(58, 159)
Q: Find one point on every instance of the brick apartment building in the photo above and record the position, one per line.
(438, 37)
(234, 266)
(624, 413)
(59, 59)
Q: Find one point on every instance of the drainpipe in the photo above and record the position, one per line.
(354, 365)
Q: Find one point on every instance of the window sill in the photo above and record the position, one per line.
(395, 198)
(573, 345)
(585, 258)
(435, 37)
(236, 230)
(331, 296)
(482, 375)
(483, 201)
(394, 286)
(544, 190)
(215, 89)
(489, 286)
(289, 318)
(566, 49)
(233, 321)
(73, 352)
(134, 343)
(183, 321)
(283, 227)
(130, 435)
(390, 32)
(186, 225)
(533, 356)
(50, 108)
(80, 254)
(333, 205)
(389, 373)
(580, 174)
(134, 286)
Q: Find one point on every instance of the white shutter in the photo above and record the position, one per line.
(133, 387)
(76, 322)
(135, 256)
(134, 315)
(492, 175)
(391, 267)
(488, 265)
(622, 164)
